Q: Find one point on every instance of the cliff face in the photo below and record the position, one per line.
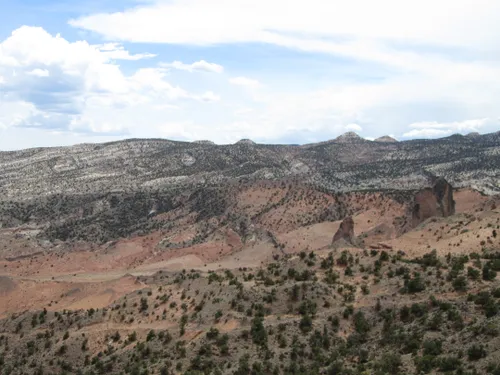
(433, 201)
(444, 194)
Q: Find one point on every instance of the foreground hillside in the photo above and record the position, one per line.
(349, 312)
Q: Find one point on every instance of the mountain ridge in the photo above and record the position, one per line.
(207, 142)
(137, 164)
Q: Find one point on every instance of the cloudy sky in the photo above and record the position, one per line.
(275, 71)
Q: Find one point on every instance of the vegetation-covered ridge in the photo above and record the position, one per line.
(347, 312)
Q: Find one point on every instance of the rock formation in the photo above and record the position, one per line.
(433, 201)
(345, 233)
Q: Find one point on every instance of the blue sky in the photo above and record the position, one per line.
(274, 71)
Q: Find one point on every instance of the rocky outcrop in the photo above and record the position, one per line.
(433, 201)
(345, 233)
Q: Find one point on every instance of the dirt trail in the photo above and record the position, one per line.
(111, 326)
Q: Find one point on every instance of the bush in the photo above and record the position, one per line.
(390, 363)
(473, 273)
(414, 285)
(360, 323)
(151, 335)
(258, 331)
(212, 333)
(476, 352)
(425, 363)
(62, 350)
(490, 309)
(449, 363)
(488, 273)
(460, 284)
(305, 324)
(433, 347)
(144, 304)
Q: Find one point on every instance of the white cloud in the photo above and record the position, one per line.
(199, 22)
(354, 128)
(435, 129)
(39, 72)
(201, 65)
(426, 133)
(14, 113)
(244, 81)
(83, 89)
(116, 51)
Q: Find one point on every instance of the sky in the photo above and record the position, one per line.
(274, 71)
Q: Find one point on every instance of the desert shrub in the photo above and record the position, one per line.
(460, 284)
(432, 347)
(414, 285)
(258, 331)
(476, 352)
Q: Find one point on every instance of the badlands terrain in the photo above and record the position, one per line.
(343, 257)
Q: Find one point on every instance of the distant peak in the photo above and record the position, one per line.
(473, 135)
(386, 139)
(245, 141)
(348, 137)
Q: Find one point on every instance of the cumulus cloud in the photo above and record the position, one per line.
(202, 66)
(244, 81)
(51, 83)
